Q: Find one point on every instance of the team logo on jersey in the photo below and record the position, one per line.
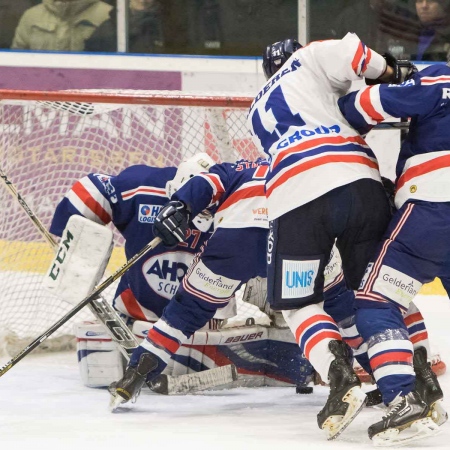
(299, 278)
(164, 272)
(107, 186)
(148, 213)
(396, 285)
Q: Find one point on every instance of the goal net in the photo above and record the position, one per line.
(49, 140)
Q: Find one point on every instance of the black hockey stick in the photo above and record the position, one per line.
(95, 294)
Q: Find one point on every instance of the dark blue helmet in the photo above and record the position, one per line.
(277, 54)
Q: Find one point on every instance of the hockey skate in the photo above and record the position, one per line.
(129, 386)
(427, 385)
(346, 397)
(407, 420)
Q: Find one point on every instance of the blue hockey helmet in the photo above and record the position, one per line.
(277, 54)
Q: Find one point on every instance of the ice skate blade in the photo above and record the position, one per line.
(335, 425)
(114, 402)
(438, 413)
(413, 431)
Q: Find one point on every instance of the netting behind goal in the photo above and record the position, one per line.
(51, 139)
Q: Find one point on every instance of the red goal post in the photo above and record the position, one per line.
(49, 140)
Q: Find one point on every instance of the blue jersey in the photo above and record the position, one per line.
(131, 201)
(233, 192)
(423, 169)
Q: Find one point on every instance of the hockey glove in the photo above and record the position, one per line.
(171, 224)
(403, 70)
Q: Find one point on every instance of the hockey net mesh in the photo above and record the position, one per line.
(48, 145)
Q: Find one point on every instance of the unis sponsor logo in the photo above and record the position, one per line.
(107, 186)
(206, 281)
(148, 213)
(164, 272)
(299, 278)
(396, 285)
(306, 133)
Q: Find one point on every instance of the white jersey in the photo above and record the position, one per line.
(296, 121)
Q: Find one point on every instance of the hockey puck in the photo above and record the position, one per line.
(304, 390)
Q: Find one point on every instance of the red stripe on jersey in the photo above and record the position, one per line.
(367, 60)
(143, 190)
(311, 321)
(435, 80)
(241, 194)
(162, 340)
(390, 357)
(218, 185)
(354, 342)
(368, 107)
(424, 168)
(328, 159)
(416, 317)
(85, 196)
(132, 306)
(313, 143)
(357, 58)
(325, 334)
(419, 337)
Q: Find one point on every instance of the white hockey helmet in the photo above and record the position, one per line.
(200, 162)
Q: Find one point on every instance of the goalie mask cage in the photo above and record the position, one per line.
(49, 140)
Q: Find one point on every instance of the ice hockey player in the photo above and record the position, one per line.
(415, 247)
(234, 254)
(323, 186)
(339, 303)
(131, 201)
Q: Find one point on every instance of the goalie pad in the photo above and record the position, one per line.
(99, 360)
(263, 356)
(80, 261)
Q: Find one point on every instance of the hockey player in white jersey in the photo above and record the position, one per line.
(323, 186)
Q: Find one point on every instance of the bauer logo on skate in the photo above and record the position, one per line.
(396, 285)
(164, 272)
(299, 278)
(148, 213)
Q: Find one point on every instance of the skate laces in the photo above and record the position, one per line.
(395, 408)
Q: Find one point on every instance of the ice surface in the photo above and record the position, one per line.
(44, 406)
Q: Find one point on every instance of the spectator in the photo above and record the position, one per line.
(144, 30)
(59, 24)
(434, 36)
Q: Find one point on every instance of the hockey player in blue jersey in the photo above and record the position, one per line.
(131, 200)
(415, 248)
(234, 254)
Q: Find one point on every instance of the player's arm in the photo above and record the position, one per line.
(371, 105)
(92, 197)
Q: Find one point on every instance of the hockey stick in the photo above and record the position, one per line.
(97, 291)
(114, 324)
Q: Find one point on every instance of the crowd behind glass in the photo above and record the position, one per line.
(413, 29)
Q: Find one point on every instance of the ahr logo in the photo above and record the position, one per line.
(299, 278)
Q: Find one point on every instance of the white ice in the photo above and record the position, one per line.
(44, 406)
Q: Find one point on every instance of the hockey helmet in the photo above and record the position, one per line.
(277, 54)
(200, 162)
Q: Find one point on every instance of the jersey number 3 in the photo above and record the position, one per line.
(263, 127)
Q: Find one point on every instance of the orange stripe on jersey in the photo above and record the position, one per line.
(132, 306)
(391, 357)
(85, 196)
(325, 334)
(357, 58)
(416, 317)
(311, 321)
(241, 194)
(424, 168)
(162, 340)
(309, 145)
(367, 106)
(419, 337)
(328, 159)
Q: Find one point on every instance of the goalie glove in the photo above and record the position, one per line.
(172, 223)
(403, 70)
